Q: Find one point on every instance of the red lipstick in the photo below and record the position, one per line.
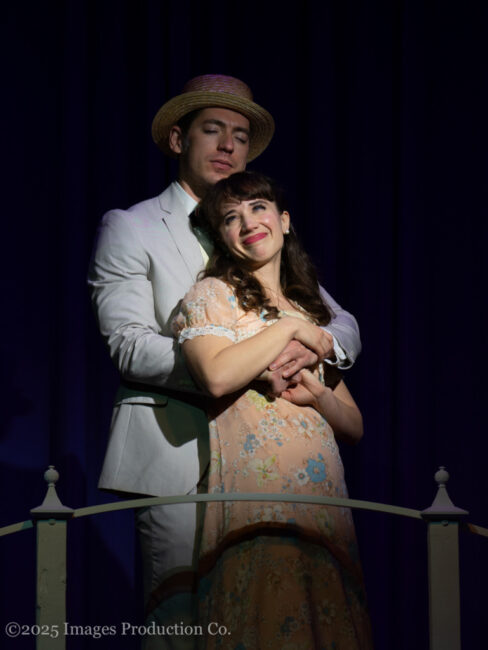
(254, 238)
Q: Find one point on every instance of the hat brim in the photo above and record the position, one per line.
(261, 123)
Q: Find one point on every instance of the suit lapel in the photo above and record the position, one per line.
(178, 224)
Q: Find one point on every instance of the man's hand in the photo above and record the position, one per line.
(282, 373)
(275, 383)
(296, 356)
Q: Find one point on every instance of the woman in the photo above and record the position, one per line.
(275, 575)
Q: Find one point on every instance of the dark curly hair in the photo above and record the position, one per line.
(297, 275)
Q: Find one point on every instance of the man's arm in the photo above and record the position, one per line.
(123, 299)
(344, 329)
(345, 346)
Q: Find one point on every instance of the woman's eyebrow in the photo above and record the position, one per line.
(226, 214)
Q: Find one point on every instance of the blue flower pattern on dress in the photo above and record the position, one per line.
(316, 469)
(251, 443)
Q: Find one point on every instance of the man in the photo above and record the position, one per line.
(145, 260)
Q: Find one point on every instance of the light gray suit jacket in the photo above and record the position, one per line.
(145, 260)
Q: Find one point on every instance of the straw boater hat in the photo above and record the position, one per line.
(217, 90)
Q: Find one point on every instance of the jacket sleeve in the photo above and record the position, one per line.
(123, 300)
(344, 328)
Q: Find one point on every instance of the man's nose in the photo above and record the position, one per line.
(226, 142)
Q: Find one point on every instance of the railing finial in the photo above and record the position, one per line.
(442, 507)
(441, 476)
(51, 507)
(51, 475)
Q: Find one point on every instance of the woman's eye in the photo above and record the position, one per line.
(228, 220)
(258, 206)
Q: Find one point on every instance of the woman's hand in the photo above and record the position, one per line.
(307, 390)
(312, 336)
(337, 406)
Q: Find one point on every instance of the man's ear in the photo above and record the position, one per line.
(175, 139)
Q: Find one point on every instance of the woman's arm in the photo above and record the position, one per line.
(337, 405)
(222, 367)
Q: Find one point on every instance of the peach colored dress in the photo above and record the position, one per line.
(275, 575)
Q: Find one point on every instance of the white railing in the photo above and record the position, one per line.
(443, 519)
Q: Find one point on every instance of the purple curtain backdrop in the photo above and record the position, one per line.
(382, 143)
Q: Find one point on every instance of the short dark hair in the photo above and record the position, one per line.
(185, 123)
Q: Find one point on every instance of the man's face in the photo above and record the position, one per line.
(216, 146)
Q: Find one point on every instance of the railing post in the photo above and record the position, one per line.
(443, 551)
(51, 519)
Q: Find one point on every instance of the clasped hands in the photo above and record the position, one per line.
(283, 376)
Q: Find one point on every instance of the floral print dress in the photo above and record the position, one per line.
(273, 575)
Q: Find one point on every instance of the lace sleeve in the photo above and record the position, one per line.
(208, 309)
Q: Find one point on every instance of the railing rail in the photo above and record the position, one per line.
(249, 496)
(443, 519)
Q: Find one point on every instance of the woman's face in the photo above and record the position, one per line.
(253, 230)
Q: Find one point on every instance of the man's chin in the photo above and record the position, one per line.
(219, 174)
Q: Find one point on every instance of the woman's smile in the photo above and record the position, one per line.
(254, 238)
(245, 224)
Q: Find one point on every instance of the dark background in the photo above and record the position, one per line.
(382, 141)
